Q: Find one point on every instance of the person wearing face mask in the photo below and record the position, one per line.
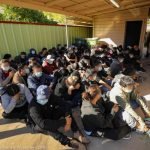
(48, 119)
(11, 61)
(102, 77)
(21, 75)
(37, 78)
(6, 72)
(117, 65)
(132, 61)
(33, 54)
(22, 58)
(15, 99)
(126, 96)
(49, 65)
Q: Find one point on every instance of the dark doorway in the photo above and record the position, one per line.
(132, 33)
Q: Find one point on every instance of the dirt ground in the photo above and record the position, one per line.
(15, 136)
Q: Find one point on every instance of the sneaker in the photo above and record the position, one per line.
(127, 137)
(80, 138)
(97, 134)
(76, 145)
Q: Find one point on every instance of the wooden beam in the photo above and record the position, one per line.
(53, 2)
(42, 8)
(142, 4)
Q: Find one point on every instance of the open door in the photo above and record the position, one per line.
(132, 33)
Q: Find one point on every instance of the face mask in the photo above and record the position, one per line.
(5, 68)
(42, 101)
(38, 74)
(27, 71)
(32, 52)
(23, 56)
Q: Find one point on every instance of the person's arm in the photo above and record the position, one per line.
(144, 106)
(28, 94)
(105, 84)
(8, 103)
(32, 84)
(7, 80)
(46, 124)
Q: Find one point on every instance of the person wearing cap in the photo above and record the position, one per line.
(37, 78)
(49, 65)
(126, 96)
(46, 118)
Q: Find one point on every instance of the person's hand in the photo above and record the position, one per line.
(16, 97)
(71, 88)
(11, 74)
(77, 86)
(115, 108)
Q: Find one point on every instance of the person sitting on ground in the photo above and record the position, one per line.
(46, 118)
(116, 66)
(103, 118)
(37, 78)
(126, 96)
(15, 99)
(6, 72)
(70, 89)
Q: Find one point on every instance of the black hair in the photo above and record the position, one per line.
(23, 53)
(7, 56)
(21, 66)
(12, 89)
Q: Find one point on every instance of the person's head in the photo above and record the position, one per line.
(37, 70)
(23, 69)
(98, 66)
(50, 59)
(12, 89)
(5, 65)
(42, 94)
(127, 84)
(43, 51)
(120, 58)
(130, 72)
(23, 55)
(32, 61)
(8, 57)
(32, 51)
(90, 75)
(73, 81)
(93, 90)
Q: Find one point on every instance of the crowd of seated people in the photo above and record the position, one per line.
(92, 92)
